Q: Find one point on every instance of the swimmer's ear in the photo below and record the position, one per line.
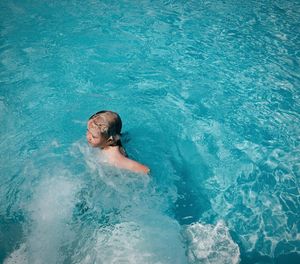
(110, 139)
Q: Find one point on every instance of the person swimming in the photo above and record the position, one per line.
(104, 132)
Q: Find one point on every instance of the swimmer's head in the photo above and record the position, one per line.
(104, 129)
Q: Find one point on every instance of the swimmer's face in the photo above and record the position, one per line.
(93, 135)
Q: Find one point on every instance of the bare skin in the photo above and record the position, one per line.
(113, 154)
(116, 158)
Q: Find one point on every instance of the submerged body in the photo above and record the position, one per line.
(104, 132)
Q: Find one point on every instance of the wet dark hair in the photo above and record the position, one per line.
(116, 115)
(110, 126)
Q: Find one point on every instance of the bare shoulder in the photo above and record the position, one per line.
(133, 165)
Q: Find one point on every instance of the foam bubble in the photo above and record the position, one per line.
(211, 244)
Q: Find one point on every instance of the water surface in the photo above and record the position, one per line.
(209, 96)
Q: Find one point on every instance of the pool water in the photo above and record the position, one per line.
(208, 92)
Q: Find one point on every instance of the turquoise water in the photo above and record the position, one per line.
(209, 96)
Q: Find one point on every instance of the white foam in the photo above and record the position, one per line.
(211, 244)
(50, 211)
(136, 242)
(19, 256)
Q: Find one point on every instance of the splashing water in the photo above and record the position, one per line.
(211, 244)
